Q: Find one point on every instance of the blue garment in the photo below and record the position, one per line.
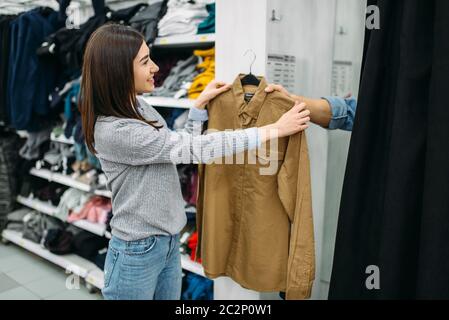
(145, 269)
(198, 288)
(30, 80)
(208, 25)
(343, 112)
(71, 97)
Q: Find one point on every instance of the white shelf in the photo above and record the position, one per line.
(62, 139)
(37, 205)
(79, 265)
(96, 228)
(185, 40)
(169, 102)
(103, 193)
(192, 266)
(60, 178)
(96, 278)
(48, 209)
(70, 262)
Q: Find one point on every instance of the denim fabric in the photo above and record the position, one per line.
(143, 269)
(343, 112)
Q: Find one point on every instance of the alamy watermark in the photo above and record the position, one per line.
(372, 21)
(225, 148)
(372, 282)
(73, 279)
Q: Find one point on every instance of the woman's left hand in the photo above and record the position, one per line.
(213, 89)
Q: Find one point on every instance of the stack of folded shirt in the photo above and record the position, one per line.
(147, 19)
(95, 210)
(71, 200)
(208, 25)
(208, 72)
(183, 17)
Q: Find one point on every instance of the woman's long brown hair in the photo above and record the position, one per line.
(107, 85)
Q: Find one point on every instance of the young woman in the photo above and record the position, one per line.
(138, 154)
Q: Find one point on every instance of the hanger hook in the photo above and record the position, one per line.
(254, 60)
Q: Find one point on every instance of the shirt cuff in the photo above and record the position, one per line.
(198, 114)
(254, 140)
(343, 112)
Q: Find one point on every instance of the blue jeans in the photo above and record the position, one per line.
(145, 269)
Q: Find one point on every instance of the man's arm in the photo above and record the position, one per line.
(329, 112)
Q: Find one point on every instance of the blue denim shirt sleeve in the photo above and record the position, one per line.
(343, 112)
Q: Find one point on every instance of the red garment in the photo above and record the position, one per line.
(192, 243)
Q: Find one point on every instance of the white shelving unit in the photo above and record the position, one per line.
(103, 193)
(100, 230)
(192, 266)
(60, 178)
(37, 205)
(185, 40)
(48, 209)
(78, 265)
(61, 139)
(70, 262)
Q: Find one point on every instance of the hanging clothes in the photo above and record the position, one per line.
(395, 204)
(30, 80)
(5, 22)
(146, 20)
(257, 226)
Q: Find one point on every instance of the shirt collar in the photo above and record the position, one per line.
(252, 108)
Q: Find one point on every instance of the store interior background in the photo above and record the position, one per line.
(326, 39)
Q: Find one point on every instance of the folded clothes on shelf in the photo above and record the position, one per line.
(206, 69)
(146, 20)
(183, 72)
(95, 210)
(15, 219)
(182, 18)
(208, 25)
(71, 200)
(31, 150)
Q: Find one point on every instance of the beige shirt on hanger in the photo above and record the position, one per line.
(257, 228)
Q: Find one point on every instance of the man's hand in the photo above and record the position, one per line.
(277, 87)
(320, 109)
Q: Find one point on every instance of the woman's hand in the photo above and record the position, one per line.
(291, 122)
(213, 89)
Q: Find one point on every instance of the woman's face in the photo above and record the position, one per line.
(144, 70)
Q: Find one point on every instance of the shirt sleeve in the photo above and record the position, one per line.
(294, 188)
(134, 142)
(343, 112)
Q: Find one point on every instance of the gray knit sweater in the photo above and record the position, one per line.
(140, 165)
